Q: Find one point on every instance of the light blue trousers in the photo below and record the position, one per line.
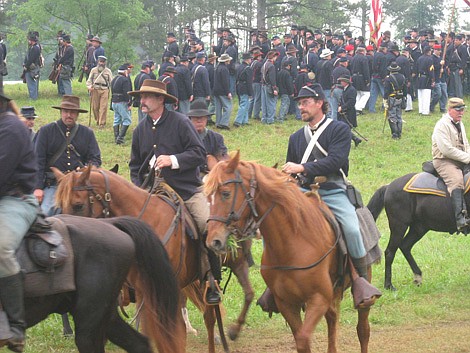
(345, 214)
(16, 216)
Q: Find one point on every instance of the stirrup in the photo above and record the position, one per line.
(364, 293)
(212, 287)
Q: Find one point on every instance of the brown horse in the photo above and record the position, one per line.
(95, 192)
(300, 258)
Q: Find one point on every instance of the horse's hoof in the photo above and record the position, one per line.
(390, 287)
(233, 333)
(418, 280)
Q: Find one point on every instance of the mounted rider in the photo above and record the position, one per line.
(18, 208)
(451, 154)
(167, 140)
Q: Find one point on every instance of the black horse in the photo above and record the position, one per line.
(415, 213)
(105, 252)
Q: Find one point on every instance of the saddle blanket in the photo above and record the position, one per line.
(427, 183)
(38, 282)
(370, 236)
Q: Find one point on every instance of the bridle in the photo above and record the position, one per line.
(254, 220)
(104, 199)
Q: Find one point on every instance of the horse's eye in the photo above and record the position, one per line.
(225, 195)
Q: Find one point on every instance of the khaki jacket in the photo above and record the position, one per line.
(446, 144)
(99, 80)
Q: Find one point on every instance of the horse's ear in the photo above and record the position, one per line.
(233, 163)
(58, 174)
(276, 165)
(115, 169)
(85, 175)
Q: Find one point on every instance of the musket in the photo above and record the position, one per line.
(344, 116)
(446, 41)
(80, 78)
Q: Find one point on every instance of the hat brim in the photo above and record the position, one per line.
(155, 91)
(198, 113)
(80, 110)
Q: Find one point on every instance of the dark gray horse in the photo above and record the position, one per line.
(410, 217)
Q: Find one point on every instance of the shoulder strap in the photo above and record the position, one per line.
(62, 148)
(194, 74)
(314, 139)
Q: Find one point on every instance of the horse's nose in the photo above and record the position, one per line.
(216, 245)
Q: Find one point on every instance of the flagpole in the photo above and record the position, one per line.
(446, 41)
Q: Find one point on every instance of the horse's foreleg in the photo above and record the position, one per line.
(209, 321)
(242, 273)
(317, 307)
(332, 319)
(363, 329)
(184, 312)
(414, 235)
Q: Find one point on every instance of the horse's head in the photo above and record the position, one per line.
(83, 193)
(230, 188)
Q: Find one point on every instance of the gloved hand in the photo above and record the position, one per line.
(385, 103)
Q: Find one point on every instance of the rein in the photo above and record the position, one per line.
(252, 224)
(104, 199)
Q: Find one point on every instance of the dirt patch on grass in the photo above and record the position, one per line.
(441, 337)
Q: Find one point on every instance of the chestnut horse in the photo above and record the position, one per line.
(300, 258)
(95, 192)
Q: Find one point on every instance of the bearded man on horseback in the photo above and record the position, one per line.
(18, 207)
(167, 141)
(322, 148)
(451, 154)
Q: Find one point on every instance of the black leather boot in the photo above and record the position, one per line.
(213, 296)
(122, 134)
(361, 267)
(116, 132)
(460, 211)
(364, 293)
(11, 296)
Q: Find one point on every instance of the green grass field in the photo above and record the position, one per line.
(443, 258)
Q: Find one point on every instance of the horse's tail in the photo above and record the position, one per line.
(158, 285)
(376, 203)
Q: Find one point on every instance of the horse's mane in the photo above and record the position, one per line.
(274, 186)
(63, 195)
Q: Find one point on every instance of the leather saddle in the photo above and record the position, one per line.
(429, 182)
(46, 258)
(171, 197)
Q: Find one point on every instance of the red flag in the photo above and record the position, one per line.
(376, 20)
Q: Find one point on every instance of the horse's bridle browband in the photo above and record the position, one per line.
(254, 221)
(104, 199)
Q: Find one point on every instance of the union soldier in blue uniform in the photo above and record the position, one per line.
(18, 208)
(63, 144)
(167, 140)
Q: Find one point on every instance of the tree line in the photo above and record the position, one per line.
(135, 30)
